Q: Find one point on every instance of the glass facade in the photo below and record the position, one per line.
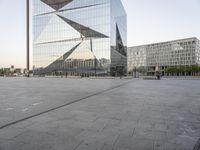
(79, 37)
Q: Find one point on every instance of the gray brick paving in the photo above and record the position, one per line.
(141, 115)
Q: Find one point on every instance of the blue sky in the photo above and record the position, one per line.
(148, 21)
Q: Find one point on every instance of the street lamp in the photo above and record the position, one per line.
(135, 71)
(27, 38)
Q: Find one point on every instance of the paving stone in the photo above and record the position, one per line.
(10, 144)
(141, 115)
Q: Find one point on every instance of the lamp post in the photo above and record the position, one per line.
(135, 72)
(27, 38)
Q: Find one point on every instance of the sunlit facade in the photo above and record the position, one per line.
(78, 37)
(159, 56)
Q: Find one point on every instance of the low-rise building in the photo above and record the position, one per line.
(160, 56)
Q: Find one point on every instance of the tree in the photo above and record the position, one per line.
(1, 72)
(195, 68)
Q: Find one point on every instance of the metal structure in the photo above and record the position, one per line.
(27, 38)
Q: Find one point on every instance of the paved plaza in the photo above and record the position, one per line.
(99, 114)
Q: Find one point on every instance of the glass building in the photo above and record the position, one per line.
(79, 37)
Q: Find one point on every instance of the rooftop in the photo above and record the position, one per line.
(164, 42)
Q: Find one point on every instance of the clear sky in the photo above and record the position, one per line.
(148, 21)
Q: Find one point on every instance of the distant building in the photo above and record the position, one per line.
(12, 67)
(12, 71)
(20, 71)
(79, 37)
(160, 56)
(7, 69)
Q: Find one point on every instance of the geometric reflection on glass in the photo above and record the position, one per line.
(57, 4)
(119, 44)
(77, 38)
(85, 31)
(58, 64)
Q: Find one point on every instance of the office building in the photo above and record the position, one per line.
(160, 56)
(79, 37)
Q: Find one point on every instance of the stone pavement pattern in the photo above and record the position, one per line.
(22, 97)
(140, 115)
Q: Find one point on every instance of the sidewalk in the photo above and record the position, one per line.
(134, 115)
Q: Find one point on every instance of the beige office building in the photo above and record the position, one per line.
(159, 56)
